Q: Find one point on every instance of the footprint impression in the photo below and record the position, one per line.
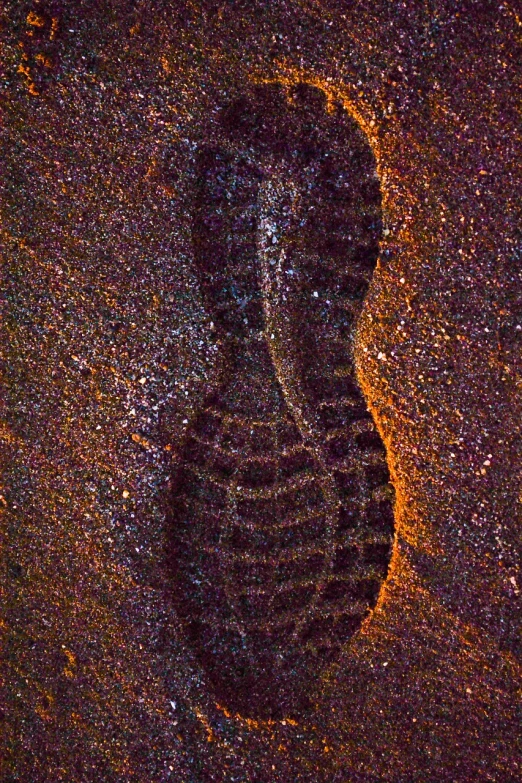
(281, 520)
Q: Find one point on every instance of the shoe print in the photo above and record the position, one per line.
(281, 520)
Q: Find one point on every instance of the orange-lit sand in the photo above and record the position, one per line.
(106, 346)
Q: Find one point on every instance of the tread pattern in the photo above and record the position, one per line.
(282, 512)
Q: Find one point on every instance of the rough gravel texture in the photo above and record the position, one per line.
(107, 346)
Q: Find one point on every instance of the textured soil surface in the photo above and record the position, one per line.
(144, 153)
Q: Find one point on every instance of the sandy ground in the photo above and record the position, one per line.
(106, 346)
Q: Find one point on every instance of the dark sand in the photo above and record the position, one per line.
(107, 351)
